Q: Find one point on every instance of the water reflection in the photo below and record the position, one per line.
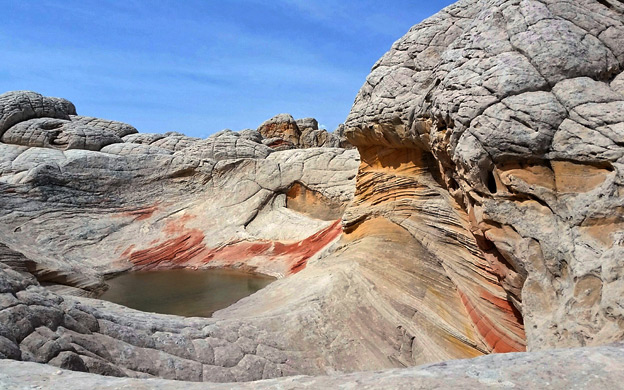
(191, 293)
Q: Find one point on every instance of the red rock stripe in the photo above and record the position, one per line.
(496, 339)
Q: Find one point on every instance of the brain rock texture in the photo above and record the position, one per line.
(520, 107)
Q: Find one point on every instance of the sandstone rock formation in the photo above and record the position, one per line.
(307, 124)
(579, 368)
(339, 133)
(71, 215)
(283, 132)
(312, 136)
(515, 108)
(281, 126)
(162, 182)
(485, 216)
(318, 138)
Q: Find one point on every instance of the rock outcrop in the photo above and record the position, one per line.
(95, 212)
(339, 133)
(312, 136)
(283, 132)
(281, 126)
(515, 109)
(21, 106)
(579, 368)
(482, 212)
(73, 213)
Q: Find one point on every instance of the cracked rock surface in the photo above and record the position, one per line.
(520, 104)
(82, 198)
(578, 368)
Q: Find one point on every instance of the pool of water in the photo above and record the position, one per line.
(191, 293)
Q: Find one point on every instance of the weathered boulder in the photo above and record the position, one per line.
(281, 126)
(313, 137)
(19, 106)
(339, 133)
(59, 134)
(318, 138)
(307, 124)
(283, 132)
(120, 129)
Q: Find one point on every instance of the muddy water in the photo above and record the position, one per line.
(191, 293)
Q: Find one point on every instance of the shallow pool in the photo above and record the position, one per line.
(191, 293)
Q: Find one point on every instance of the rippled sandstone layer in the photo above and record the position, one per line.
(516, 109)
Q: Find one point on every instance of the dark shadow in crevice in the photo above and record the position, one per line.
(491, 182)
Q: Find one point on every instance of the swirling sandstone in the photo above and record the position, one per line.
(486, 215)
(515, 109)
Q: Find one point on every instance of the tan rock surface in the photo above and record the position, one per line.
(281, 126)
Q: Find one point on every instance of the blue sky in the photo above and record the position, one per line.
(201, 66)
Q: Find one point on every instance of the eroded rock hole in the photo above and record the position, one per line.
(491, 182)
(452, 184)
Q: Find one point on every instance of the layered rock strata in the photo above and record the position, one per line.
(71, 216)
(515, 109)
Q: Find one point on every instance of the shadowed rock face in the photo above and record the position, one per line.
(483, 213)
(515, 108)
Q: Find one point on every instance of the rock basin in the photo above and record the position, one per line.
(184, 292)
